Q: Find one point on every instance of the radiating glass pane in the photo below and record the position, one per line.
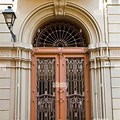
(59, 34)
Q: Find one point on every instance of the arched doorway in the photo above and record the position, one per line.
(60, 73)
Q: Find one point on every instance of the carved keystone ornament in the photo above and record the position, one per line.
(59, 7)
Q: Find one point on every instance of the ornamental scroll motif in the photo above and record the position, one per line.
(45, 90)
(76, 89)
(59, 7)
(59, 34)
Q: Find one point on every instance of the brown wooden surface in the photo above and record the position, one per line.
(60, 54)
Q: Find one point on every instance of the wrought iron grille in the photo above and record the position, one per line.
(45, 90)
(76, 88)
(59, 34)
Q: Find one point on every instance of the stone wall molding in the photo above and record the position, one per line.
(44, 13)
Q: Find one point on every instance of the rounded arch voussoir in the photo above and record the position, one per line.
(45, 13)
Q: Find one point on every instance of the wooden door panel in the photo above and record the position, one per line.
(60, 87)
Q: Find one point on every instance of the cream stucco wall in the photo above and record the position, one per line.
(103, 27)
(114, 39)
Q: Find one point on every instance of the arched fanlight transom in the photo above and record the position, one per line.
(59, 34)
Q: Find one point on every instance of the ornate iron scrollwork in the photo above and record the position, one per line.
(75, 90)
(45, 90)
(59, 34)
(46, 107)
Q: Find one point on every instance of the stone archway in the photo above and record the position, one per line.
(60, 58)
(73, 12)
(45, 13)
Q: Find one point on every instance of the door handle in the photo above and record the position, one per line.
(60, 91)
(60, 100)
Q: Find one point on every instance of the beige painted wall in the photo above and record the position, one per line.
(15, 61)
(114, 38)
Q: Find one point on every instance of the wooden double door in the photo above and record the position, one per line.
(60, 85)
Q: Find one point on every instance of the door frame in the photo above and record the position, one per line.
(46, 52)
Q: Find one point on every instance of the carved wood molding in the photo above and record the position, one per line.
(59, 7)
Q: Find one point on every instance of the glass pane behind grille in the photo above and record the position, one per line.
(45, 90)
(75, 89)
(60, 34)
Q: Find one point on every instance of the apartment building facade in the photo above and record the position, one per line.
(65, 62)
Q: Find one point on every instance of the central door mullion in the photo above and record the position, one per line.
(57, 87)
(61, 93)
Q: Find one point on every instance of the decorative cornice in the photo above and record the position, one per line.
(59, 7)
